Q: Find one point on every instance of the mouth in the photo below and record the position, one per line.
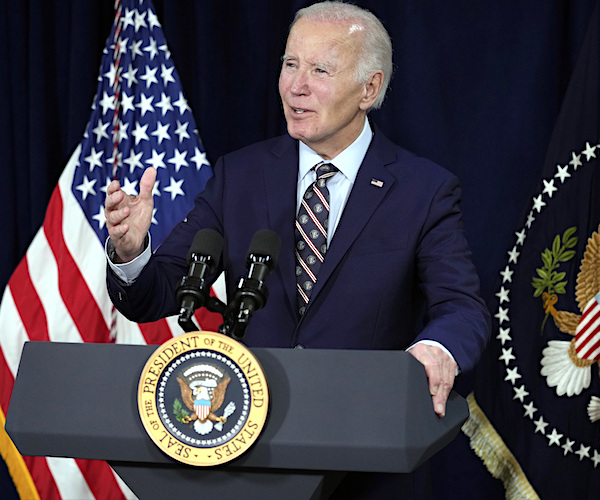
(298, 111)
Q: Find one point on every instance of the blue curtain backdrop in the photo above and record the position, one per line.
(477, 88)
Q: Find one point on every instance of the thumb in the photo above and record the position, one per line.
(147, 183)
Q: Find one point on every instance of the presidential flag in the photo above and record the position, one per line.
(535, 410)
(140, 119)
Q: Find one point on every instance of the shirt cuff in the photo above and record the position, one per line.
(129, 271)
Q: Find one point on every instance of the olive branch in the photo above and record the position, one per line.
(178, 411)
(550, 282)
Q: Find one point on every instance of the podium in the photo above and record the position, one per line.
(331, 412)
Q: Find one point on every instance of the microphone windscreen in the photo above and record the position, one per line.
(266, 243)
(207, 242)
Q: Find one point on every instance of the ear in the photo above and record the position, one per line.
(372, 89)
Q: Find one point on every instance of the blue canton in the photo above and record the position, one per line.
(149, 124)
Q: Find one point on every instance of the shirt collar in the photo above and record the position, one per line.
(348, 161)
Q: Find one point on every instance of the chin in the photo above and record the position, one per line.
(295, 133)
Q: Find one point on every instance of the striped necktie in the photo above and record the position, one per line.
(311, 232)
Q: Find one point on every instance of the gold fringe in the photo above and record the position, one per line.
(498, 459)
(16, 465)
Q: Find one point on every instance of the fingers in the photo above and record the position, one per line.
(114, 195)
(440, 390)
(115, 208)
(113, 187)
(441, 371)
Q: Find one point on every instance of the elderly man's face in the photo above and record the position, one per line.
(324, 106)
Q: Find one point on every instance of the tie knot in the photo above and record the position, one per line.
(325, 171)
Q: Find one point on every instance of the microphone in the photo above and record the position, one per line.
(251, 293)
(203, 258)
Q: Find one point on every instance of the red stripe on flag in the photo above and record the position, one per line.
(6, 386)
(588, 333)
(156, 332)
(42, 477)
(209, 321)
(586, 349)
(593, 350)
(593, 309)
(73, 289)
(28, 303)
(100, 479)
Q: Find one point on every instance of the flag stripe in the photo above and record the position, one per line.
(12, 345)
(102, 479)
(5, 388)
(587, 334)
(74, 292)
(207, 320)
(589, 314)
(69, 479)
(591, 349)
(128, 332)
(591, 307)
(44, 276)
(124, 488)
(28, 308)
(42, 477)
(156, 332)
(78, 234)
(587, 342)
(589, 319)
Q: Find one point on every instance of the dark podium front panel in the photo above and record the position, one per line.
(331, 410)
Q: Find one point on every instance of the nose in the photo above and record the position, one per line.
(299, 84)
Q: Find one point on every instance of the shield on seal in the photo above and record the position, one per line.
(202, 408)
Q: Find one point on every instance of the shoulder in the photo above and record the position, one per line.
(263, 150)
(405, 165)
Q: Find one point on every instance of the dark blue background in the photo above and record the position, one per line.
(477, 88)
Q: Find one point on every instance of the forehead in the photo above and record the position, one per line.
(309, 39)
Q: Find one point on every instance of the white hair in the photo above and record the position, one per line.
(376, 48)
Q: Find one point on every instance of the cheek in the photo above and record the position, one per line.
(284, 83)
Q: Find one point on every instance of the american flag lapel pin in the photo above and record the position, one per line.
(376, 183)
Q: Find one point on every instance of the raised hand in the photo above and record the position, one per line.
(128, 218)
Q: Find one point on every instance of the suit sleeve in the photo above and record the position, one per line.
(456, 316)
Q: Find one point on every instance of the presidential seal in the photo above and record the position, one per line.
(203, 398)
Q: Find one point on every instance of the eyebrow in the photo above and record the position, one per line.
(319, 64)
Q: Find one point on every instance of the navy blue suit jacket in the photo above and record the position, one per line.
(398, 268)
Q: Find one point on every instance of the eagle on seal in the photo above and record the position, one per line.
(201, 403)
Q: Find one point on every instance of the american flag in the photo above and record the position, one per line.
(140, 119)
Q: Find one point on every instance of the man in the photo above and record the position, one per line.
(397, 272)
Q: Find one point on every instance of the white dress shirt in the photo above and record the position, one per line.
(347, 162)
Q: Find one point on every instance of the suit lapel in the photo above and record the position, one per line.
(370, 188)
(280, 178)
